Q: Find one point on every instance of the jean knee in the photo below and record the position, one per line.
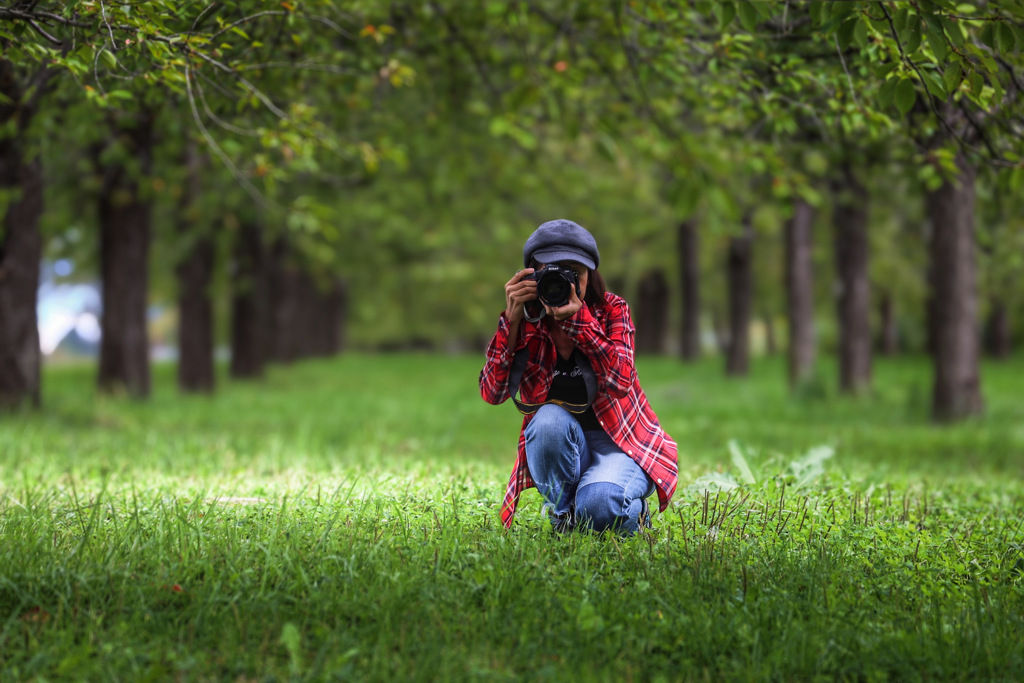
(601, 505)
(550, 419)
(553, 430)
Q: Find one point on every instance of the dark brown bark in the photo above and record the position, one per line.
(284, 303)
(931, 311)
(888, 342)
(319, 313)
(957, 389)
(124, 251)
(998, 334)
(800, 293)
(249, 304)
(854, 301)
(305, 313)
(21, 247)
(652, 313)
(689, 276)
(328, 317)
(195, 275)
(740, 273)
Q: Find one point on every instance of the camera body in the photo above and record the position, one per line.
(555, 284)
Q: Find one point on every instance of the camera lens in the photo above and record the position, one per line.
(554, 289)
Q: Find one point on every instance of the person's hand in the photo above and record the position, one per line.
(567, 311)
(517, 292)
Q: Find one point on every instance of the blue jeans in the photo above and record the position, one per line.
(584, 473)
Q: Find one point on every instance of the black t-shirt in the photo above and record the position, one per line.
(568, 385)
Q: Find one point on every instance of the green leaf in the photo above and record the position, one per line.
(726, 12)
(860, 33)
(887, 92)
(905, 95)
(991, 68)
(900, 20)
(713, 483)
(814, 10)
(952, 77)
(748, 15)
(109, 58)
(988, 35)
(291, 639)
(884, 70)
(935, 85)
(1005, 38)
(937, 40)
(953, 30)
(998, 92)
(845, 33)
(911, 39)
(740, 462)
(120, 94)
(840, 12)
(811, 465)
(977, 82)
(1016, 181)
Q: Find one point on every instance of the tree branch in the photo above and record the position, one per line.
(249, 188)
(461, 39)
(920, 76)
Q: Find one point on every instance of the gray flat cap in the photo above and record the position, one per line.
(561, 240)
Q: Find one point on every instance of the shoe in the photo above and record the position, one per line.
(562, 524)
(644, 520)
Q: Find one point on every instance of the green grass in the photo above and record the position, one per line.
(339, 521)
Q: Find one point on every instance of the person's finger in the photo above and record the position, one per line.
(523, 288)
(518, 277)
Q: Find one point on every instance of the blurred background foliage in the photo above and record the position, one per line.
(375, 169)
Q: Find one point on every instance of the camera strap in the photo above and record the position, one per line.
(531, 306)
(515, 376)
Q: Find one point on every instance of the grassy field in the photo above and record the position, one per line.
(338, 521)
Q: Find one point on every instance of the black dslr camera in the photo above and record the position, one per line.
(554, 288)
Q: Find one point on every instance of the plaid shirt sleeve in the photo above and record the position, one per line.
(494, 376)
(494, 390)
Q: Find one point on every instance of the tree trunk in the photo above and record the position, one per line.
(285, 314)
(21, 248)
(689, 275)
(306, 309)
(739, 264)
(889, 340)
(998, 333)
(195, 274)
(957, 389)
(21, 245)
(332, 305)
(124, 251)
(652, 311)
(854, 303)
(249, 304)
(931, 311)
(800, 293)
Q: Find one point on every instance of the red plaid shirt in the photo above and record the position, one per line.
(605, 335)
